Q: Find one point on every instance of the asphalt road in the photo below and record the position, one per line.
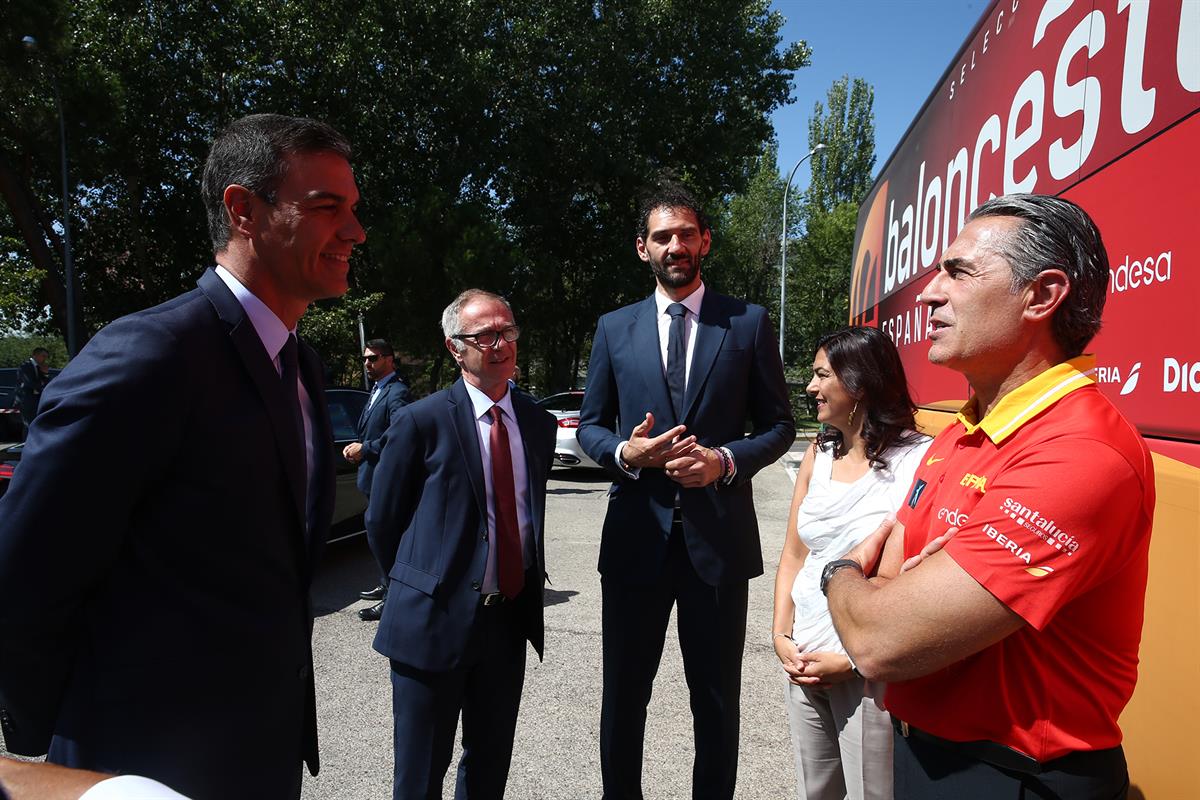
(557, 747)
(557, 753)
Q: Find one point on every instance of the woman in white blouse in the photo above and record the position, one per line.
(859, 469)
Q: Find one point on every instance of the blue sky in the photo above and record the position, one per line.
(900, 47)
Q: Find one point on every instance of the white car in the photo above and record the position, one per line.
(565, 408)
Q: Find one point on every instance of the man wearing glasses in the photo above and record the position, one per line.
(459, 532)
(389, 393)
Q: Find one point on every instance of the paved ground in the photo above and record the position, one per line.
(557, 751)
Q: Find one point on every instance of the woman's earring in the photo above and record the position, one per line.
(850, 419)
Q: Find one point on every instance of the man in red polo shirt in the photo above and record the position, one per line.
(1011, 651)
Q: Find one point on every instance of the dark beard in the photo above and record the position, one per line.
(676, 280)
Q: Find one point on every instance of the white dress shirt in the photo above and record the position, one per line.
(274, 335)
(379, 384)
(690, 320)
(482, 405)
(663, 320)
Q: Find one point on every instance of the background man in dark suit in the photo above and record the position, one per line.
(388, 395)
(456, 520)
(32, 377)
(180, 472)
(672, 382)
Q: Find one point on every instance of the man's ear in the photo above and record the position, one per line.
(239, 205)
(454, 351)
(705, 242)
(641, 249)
(1046, 293)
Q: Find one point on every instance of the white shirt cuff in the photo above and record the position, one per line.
(130, 787)
(632, 472)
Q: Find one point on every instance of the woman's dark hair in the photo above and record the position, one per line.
(869, 368)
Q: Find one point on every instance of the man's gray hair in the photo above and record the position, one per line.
(452, 316)
(1056, 234)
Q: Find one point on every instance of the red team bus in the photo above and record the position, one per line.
(1094, 100)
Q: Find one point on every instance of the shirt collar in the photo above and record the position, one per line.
(379, 384)
(1030, 398)
(270, 329)
(482, 403)
(691, 302)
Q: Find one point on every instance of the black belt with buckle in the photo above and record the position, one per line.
(494, 599)
(998, 755)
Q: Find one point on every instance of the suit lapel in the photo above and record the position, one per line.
(362, 418)
(266, 381)
(710, 334)
(647, 354)
(462, 415)
(536, 467)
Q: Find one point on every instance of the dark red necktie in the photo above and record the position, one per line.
(510, 563)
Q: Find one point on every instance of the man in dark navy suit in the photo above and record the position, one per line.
(180, 472)
(456, 520)
(32, 377)
(388, 395)
(673, 382)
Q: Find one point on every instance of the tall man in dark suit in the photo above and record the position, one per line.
(180, 472)
(672, 382)
(388, 395)
(456, 520)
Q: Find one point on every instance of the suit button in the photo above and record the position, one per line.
(302, 672)
(475, 585)
(484, 537)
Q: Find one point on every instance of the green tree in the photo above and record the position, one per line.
(15, 350)
(745, 255)
(498, 145)
(819, 261)
(842, 172)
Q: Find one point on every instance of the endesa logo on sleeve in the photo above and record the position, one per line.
(952, 517)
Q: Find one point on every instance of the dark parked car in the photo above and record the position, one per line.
(9, 457)
(345, 406)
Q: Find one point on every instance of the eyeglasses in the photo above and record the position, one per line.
(371, 359)
(486, 339)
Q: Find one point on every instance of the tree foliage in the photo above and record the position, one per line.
(845, 124)
(15, 350)
(745, 258)
(496, 144)
(820, 260)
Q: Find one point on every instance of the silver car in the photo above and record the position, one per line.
(565, 408)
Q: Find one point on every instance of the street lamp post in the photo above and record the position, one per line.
(68, 262)
(783, 237)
